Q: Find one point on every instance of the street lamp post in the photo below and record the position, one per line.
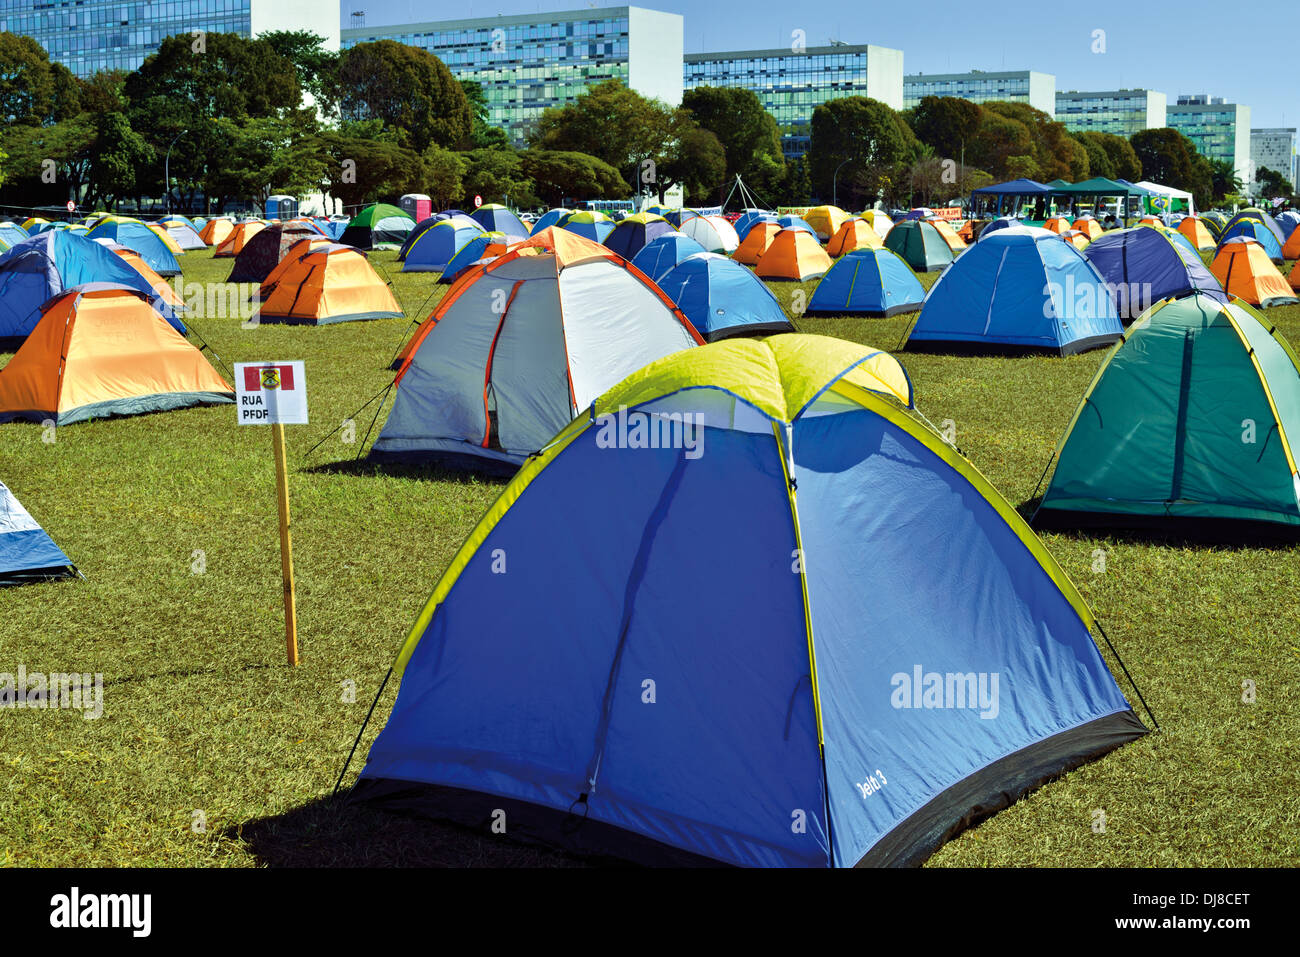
(835, 183)
(167, 169)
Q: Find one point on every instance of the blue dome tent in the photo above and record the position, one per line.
(435, 248)
(1143, 265)
(722, 298)
(1017, 292)
(852, 695)
(867, 282)
(660, 255)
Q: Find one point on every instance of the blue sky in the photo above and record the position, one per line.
(1174, 47)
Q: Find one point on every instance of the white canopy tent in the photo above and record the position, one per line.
(1171, 193)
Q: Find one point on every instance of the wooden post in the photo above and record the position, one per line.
(286, 544)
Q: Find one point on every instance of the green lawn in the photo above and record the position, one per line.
(202, 714)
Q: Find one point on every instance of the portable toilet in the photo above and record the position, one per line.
(281, 207)
(417, 205)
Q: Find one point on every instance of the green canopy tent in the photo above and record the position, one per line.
(1096, 190)
(1155, 445)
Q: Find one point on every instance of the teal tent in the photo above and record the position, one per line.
(1187, 427)
(919, 244)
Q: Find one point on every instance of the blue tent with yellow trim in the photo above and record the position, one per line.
(867, 282)
(27, 553)
(722, 298)
(748, 610)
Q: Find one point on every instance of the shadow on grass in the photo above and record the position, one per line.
(1206, 534)
(185, 673)
(423, 473)
(338, 832)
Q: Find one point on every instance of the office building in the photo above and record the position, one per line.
(978, 86)
(1274, 149)
(1121, 112)
(1221, 131)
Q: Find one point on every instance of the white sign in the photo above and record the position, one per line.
(478, 201)
(271, 393)
(71, 206)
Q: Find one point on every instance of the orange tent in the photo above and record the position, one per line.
(1195, 231)
(326, 284)
(1089, 227)
(160, 285)
(215, 231)
(854, 234)
(291, 256)
(944, 228)
(1150, 221)
(1291, 248)
(755, 243)
(1294, 278)
(233, 244)
(1057, 224)
(101, 350)
(1076, 238)
(794, 256)
(1244, 270)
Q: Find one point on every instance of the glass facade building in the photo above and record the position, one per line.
(1221, 131)
(87, 36)
(791, 83)
(528, 63)
(1020, 86)
(1122, 112)
(1274, 149)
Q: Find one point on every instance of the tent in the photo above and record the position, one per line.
(1291, 249)
(1254, 212)
(722, 298)
(1076, 239)
(437, 246)
(879, 221)
(660, 255)
(920, 245)
(378, 226)
(1288, 222)
(1214, 221)
(1168, 199)
(1002, 222)
(136, 235)
(549, 219)
(1057, 224)
(678, 216)
(781, 697)
(1142, 266)
(165, 292)
(954, 241)
(1089, 226)
(239, 237)
(481, 248)
(756, 242)
(183, 235)
(748, 220)
(495, 218)
(825, 220)
(633, 232)
(867, 282)
(796, 222)
(11, 233)
(793, 256)
(589, 224)
(1254, 229)
(102, 350)
(418, 231)
(482, 385)
(1193, 227)
(1294, 277)
(714, 233)
(27, 553)
(161, 232)
(39, 268)
(1188, 426)
(290, 258)
(217, 231)
(263, 252)
(326, 284)
(1245, 271)
(854, 234)
(1016, 292)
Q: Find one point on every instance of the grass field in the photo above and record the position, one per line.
(211, 751)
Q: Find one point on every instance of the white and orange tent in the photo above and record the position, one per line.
(322, 284)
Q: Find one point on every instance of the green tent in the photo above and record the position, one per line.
(379, 226)
(919, 244)
(1187, 427)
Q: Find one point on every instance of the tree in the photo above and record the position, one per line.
(867, 142)
(483, 135)
(945, 124)
(315, 66)
(699, 165)
(360, 169)
(1003, 144)
(1122, 158)
(410, 91)
(444, 173)
(262, 156)
(1224, 179)
(747, 133)
(1272, 184)
(48, 164)
(117, 153)
(614, 124)
(496, 175)
(34, 91)
(1055, 153)
(1170, 158)
(104, 92)
(1099, 163)
(562, 174)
